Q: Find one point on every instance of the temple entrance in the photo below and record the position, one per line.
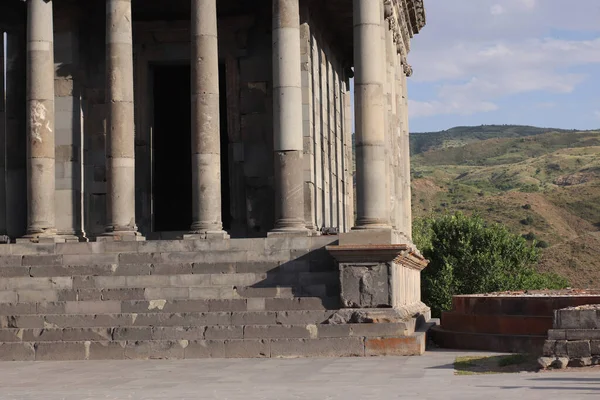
(172, 148)
(171, 143)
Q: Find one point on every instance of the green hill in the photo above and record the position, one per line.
(542, 183)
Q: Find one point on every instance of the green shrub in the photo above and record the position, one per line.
(468, 256)
(542, 245)
(530, 236)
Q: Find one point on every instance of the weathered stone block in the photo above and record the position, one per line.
(595, 347)
(365, 286)
(254, 318)
(205, 349)
(178, 333)
(247, 348)
(589, 319)
(92, 307)
(228, 305)
(224, 332)
(278, 332)
(155, 350)
(133, 333)
(102, 350)
(579, 349)
(60, 351)
(167, 293)
(17, 352)
(549, 348)
(580, 362)
(567, 319)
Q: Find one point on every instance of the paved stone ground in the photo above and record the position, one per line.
(427, 377)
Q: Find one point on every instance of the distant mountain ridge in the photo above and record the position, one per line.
(421, 142)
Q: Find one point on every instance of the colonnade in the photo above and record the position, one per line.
(381, 181)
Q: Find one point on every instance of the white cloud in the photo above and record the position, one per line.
(496, 9)
(456, 106)
(475, 53)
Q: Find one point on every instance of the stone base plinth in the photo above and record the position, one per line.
(121, 237)
(216, 235)
(379, 276)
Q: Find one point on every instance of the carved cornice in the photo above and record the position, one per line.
(405, 18)
(404, 254)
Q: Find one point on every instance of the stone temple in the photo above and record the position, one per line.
(180, 179)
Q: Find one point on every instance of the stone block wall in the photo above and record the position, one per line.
(574, 340)
(329, 193)
(68, 126)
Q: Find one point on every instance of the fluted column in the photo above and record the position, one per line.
(287, 118)
(120, 146)
(407, 192)
(40, 120)
(369, 116)
(206, 143)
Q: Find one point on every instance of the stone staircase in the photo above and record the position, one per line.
(182, 299)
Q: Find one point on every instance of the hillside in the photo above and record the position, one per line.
(542, 183)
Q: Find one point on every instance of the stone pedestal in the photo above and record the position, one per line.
(379, 276)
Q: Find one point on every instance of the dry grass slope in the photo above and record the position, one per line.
(542, 183)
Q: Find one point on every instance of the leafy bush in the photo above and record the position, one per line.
(468, 256)
(530, 236)
(542, 245)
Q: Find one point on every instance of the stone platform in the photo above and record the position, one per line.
(269, 297)
(505, 322)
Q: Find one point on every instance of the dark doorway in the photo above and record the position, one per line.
(172, 176)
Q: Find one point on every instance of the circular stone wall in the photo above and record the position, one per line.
(515, 322)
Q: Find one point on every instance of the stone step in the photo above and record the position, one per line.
(166, 293)
(109, 320)
(58, 269)
(266, 246)
(197, 332)
(178, 280)
(172, 306)
(249, 256)
(354, 346)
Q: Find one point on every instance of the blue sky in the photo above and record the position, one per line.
(532, 62)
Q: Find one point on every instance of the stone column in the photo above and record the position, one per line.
(206, 134)
(400, 156)
(40, 121)
(3, 227)
(287, 118)
(369, 109)
(406, 155)
(120, 137)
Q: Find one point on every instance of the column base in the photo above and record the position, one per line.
(41, 236)
(370, 236)
(121, 236)
(302, 232)
(208, 235)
